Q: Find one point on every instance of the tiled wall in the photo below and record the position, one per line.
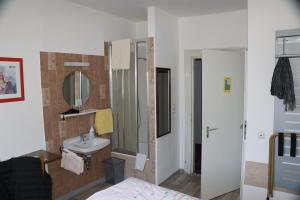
(256, 174)
(149, 172)
(53, 74)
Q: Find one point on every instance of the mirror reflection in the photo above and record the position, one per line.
(76, 89)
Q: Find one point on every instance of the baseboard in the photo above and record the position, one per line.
(81, 190)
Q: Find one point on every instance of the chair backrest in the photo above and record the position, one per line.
(287, 170)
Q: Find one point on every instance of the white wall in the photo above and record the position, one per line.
(141, 30)
(264, 19)
(220, 30)
(164, 28)
(262, 26)
(223, 30)
(28, 27)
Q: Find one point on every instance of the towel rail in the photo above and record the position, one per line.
(271, 166)
(87, 159)
(288, 56)
(42, 159)
(284, 46)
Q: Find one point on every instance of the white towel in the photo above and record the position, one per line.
(120, 58)
(72, 162)
(140, 161)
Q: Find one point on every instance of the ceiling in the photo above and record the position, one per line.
(136, 10)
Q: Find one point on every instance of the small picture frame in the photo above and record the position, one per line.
(227, 84)
(11, 80)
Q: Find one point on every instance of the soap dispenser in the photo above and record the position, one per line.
(91, 133)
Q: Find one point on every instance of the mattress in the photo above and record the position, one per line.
(135, 189)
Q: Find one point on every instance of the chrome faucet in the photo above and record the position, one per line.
(82, 137)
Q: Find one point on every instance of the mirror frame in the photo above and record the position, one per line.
(168, 72)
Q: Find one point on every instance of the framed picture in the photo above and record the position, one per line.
(227, 84)
(11, 80)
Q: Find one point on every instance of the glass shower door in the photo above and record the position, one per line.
(129, 101)
(124, 108)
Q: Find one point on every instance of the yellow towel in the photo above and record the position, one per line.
(104, 121)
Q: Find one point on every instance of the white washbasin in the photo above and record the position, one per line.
(86, 147)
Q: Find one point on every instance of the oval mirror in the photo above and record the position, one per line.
(76, 89)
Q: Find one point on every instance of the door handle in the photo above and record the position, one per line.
(208, 129)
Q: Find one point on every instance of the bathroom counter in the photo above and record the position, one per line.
(46, 155)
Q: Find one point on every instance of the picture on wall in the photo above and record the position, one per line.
(11, 80)
(227, 84)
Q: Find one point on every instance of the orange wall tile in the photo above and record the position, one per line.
(53, 74)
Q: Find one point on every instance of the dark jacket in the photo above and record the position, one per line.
(22, 179)
(283, 83)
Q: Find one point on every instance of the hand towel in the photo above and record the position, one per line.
(140, 161)
(72, 162)
(104, 121)
(120, 59)
(75, 164)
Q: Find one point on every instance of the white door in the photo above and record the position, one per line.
(222, 114)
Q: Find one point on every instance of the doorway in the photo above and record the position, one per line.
(215, 110)
(197, 113)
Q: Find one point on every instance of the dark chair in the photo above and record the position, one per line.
(24, 178)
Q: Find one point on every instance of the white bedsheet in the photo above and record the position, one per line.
(135, 189)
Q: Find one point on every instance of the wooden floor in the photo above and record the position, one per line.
(184, 183)
(235, 195)
(87, 194)
(190, 184)
(180, 181)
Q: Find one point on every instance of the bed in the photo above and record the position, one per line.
(135, 189)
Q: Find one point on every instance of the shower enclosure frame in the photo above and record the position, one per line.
(136, 42)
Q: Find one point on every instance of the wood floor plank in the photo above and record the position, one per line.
(184, 183)
(90, 192)
(191, 184)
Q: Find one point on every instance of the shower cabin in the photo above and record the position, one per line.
(129, 101)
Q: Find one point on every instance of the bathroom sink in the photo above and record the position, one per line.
(86, 147)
